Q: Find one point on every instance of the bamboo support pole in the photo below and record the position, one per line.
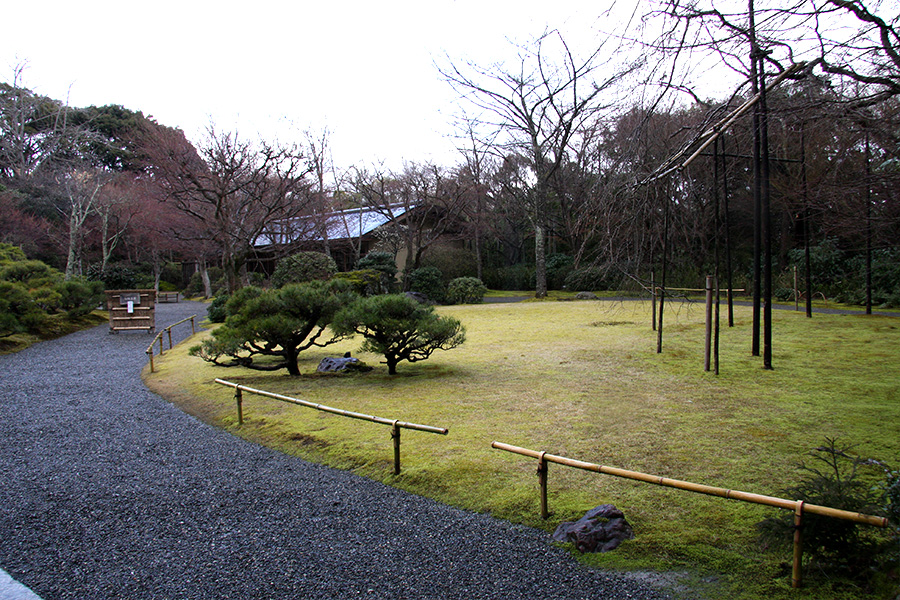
(150, 354)
(239, 399)
(395, 437)
(169, 329)
(542, 478)
(709, 325)
(797, 572)
(159, 338)
(395, 424)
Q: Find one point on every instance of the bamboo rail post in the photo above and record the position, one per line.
(797, 573)
(193, 331)
(160, 343)
(542, 479)
(395, 437)
(709, 310)
(239, 398)
(150, 353)
(169, 329)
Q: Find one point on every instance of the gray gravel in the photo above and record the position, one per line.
(109, 491)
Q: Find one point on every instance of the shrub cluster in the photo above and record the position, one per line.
(31, 292)
(466, 290)
(302, 267)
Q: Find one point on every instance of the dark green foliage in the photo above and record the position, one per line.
(365, 282)
(386, 265)
(78, 297)
(302, 267)
(275, 325)
(216, 311)
(18, 310)
(558, 268)
(517, 277)
(466, 290)
(428, 281)
(837, 479)
(399, 328)
(588, 279)
(451, 262)
(10, 253)
(841, 275)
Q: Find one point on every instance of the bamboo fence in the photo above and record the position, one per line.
(396, 424)
(159, 338)
(799, 507)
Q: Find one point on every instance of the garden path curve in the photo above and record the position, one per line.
(109, 491)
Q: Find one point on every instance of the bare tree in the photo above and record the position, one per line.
(536, 108)
(232, 188)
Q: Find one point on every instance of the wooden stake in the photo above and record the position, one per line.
(239, 398)
(797, 575)
(395, 435)
(709, 324)
(542, 479)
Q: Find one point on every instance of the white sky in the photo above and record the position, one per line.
(270, 68)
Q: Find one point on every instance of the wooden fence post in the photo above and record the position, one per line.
(542, 479)
(395, 436)
(239, 398)
(797, 575)
(709, 326)
(169, 329)
(150, 353)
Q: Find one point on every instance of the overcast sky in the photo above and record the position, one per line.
(363, 69)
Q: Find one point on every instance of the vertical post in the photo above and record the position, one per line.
(239, 398)
(150, 354)
(193, 331)
(709, 325)
(160, 345)
(796, 291)
(653, 298)
(395, 435)
(797, 575)
(542, 479)
(169, 329)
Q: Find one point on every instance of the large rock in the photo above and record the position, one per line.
(333, 364)
(601, 529)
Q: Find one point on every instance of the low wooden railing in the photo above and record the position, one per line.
(799, 507)
(159, 338)
(396, 424)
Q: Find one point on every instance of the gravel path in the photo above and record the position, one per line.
(108, 491)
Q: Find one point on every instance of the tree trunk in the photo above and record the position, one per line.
(540, 262)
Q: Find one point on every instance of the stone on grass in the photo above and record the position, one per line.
(601, 529)
(586, 296)
(334, 364)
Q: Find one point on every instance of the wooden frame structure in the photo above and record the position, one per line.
(131, 310)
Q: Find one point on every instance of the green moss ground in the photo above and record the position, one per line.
(584, 380)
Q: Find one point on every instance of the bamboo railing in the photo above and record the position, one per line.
(799, 507)
(396, 424)
(159, 338)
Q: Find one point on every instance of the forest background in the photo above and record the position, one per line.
(559, 184)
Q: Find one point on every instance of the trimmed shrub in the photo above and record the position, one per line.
(428, 281)
(303, 267)
(466, 290)
(79, 297)
(365, 282)
(216, 312)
